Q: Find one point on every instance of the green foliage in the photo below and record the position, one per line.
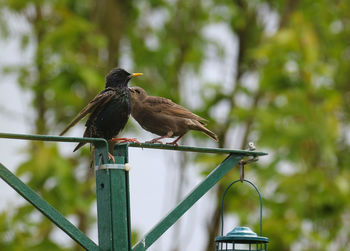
(62, 77)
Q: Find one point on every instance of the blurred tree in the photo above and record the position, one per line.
(296, 109)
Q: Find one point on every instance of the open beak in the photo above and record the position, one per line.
(136, 74)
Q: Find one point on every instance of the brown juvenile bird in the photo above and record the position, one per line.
(163, 117)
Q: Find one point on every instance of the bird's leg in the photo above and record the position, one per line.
(110, 150)
(174, 143)
(110, 156)
(124, 140)
(156, 140)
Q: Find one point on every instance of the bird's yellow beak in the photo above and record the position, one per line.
(136, 74)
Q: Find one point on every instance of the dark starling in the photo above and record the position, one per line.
(163, 117)
(110, 109)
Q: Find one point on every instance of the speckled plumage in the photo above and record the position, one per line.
(110, 109)
(106, 121)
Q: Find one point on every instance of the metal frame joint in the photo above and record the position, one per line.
(125, 167)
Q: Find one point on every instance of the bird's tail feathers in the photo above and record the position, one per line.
(92, 163)
(79, 145)
(71, 124)
(200, 127)
(63, 132)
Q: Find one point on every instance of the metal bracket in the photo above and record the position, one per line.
(251, 146)
(242, 162)
(125, 166)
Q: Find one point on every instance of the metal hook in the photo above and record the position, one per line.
(222, 204)
(241, 164)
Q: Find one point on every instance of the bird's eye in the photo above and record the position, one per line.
(138, 91)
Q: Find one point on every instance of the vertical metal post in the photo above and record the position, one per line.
(113, 209)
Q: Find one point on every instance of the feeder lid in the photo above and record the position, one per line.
(242, 235)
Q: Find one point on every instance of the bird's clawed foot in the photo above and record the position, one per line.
(174, 143)
(157, 140)
(154, 141)
(110, 156)
(124, 140)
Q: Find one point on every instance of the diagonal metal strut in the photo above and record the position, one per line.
(44, 207)
(188, 202)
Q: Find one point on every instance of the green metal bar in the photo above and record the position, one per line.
(51, 138)
(113, 205)
(100, 141)
(50, 212)
(188, 202)
(101, 145)
(197, 149)
(142, 145)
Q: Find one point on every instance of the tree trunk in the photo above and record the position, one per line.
(110, 15)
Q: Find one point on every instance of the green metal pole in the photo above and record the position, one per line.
(113, 210)
(100, 144)
(197, 149)
(123, 151)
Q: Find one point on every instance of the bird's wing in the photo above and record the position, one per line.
(101, 99)
(166, 106)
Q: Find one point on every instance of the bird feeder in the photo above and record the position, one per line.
(241, 238)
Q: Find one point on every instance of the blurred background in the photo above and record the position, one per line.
(272, 72)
